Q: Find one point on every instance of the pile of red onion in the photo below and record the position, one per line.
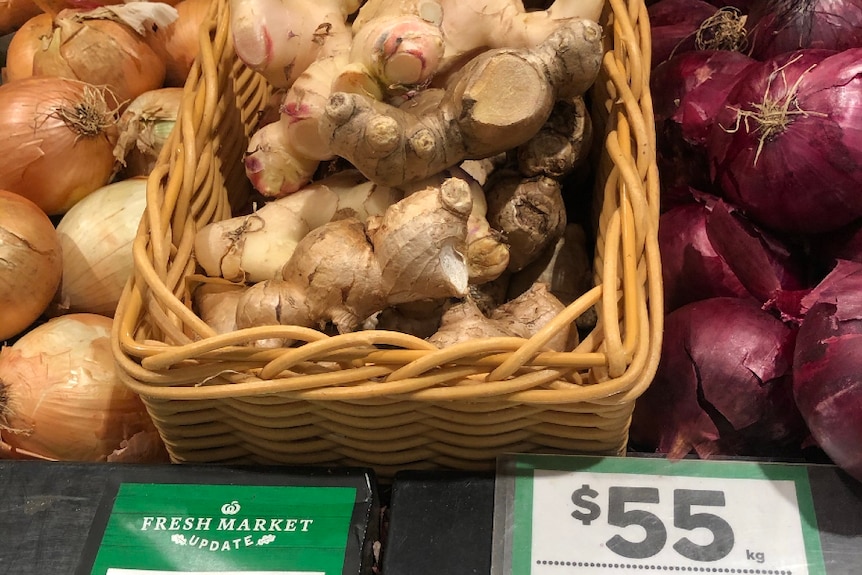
(759, 149)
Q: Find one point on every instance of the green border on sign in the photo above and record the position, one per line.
(525, 465)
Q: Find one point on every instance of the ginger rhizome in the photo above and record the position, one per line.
(345, 271)
(494, 103)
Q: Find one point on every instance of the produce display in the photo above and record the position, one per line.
(757, 108)
(420, 168)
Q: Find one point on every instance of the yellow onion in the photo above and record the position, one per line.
(107, 47)
(179, 42)
(144, 128)
(61, 397)
(30, 263)
(57, 141)
(24, 44)
(96, 238)
(14, 13)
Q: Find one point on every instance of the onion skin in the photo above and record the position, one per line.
(805, 178)
(723, 385)
(52, 161)
(178, 44)
(30, 263)
(673, 24)
(96, 236)
(780, 26)
(26, 41)
(101, 52)
(61, 396)
(827, 374)
(710, 250)
(688, 92)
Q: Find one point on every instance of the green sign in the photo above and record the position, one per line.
(557, 515)
(157, 529)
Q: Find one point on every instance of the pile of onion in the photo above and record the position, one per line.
(61, 398)
(30, 263)
(58, 138)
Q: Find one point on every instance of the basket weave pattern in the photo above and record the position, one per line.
(379, 398)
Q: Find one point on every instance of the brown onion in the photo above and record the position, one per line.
(26, 41)
(179, 42)
(30, 263)
(57, 142)
(99, 47)
(144, 128)
(60, 395)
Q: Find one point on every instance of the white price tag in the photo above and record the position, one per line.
(617, 516)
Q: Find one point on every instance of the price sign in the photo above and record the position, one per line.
(616, 516)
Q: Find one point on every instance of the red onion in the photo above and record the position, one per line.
(688, 91)
(674, 24)
(827, 373)
(786, 147)
(723, 384)
(779, 26)
(709, 250)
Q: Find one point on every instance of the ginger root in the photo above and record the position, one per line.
(561, 145)
(255, 247)
(529, 212)
(522, 317)
(497, 101)
(344, 272)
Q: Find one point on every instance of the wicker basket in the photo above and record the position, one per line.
(377, 398)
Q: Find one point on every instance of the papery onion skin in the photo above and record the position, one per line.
(30, 263)
(804, 178)
(50, 156)
(673, 26)
(691, 268)
(688, 91)
(178, 44)
(827, 374)
(96, 237)
(26, 41)
(103, 53)
(63, 397)
(723, 384)
(780, 26)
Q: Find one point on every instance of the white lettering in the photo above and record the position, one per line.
(204, 543)
(290, 525)
(243, 525)
(225, 524)
(188, 524)
(160, 523)
(193, 540)
(225, 546)
(248, 540)
(236, 543)
(306, 523)
(146, 524)
(214, 546)
(204, 523)
(175, 523)
(260, 524)
(275, 524)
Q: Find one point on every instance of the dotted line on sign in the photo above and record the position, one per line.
(645, 567)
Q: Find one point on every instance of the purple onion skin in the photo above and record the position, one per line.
(688, 91)
(709, 250)
(723, 385)
(806, 178)
(691, 268)
(827, 374)
(780, 26)
(673, 25)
